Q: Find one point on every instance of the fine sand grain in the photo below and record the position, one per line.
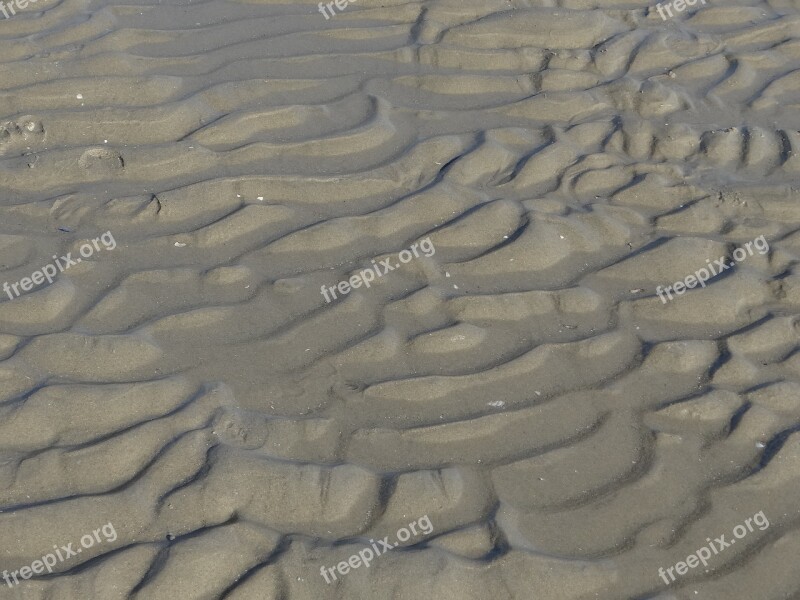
(567, 433)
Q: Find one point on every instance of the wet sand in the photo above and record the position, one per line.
(566, 432)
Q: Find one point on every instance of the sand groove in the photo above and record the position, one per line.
(566, 432)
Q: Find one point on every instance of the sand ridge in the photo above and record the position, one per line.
(524, 387)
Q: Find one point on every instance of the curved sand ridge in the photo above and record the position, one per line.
(565, 431)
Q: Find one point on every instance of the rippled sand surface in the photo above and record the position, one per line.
(565, 431)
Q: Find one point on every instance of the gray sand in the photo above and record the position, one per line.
(567, 431)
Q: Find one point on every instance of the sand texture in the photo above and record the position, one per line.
(566, 432)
